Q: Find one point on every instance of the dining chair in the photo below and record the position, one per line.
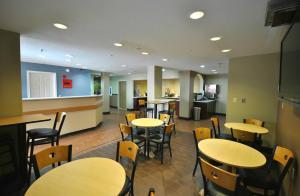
(159, 130)
(162, 140)
(256, 122)
(270, 177)
(171, 111)
(218, 181)
(143, 107)
(129, 117)
(127, 135)
(40, 136)
(51, 156)
(129, 150)
(215, 121)
(151, 192)
(244, 137)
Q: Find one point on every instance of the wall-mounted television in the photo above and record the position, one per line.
(289, 82)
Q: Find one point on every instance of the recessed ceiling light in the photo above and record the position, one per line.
(145, 53)
(78, 64)
(60, 26)
(226, 50)
(165, 60)
(84, 67)
(129, 73)
(124, 65)
(118, 44)
(68, 60)
(202, 66)
(69, 56)
(215, 38)
(213, 70)
(68, 70)
(197, 15)
(163, 69)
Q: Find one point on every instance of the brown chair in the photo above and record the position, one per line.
(129, 118)
(163, 139)
(40, 136)
(200, 133)
(143, 108)
(218, 181)
(215, 121)
(50, 156)
(257, 123)
(129, 150)
(171, 111)
(127, 135)
(270, 177)
(159, 130)
(151, 192)
(244, 137)
(165, 117)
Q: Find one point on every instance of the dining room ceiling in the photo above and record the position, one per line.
(161, 28)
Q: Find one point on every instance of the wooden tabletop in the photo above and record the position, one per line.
(89, 177)
(23, 119)
(247, 127)
(232, 153)
(157, 101)
(147, 122)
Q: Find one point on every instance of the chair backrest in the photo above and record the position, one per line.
(151, 192)
(218, 176)
(125, 130)
(51, 155)
(128, 149)
(130, 117)
(243, 136)
(216, 126)
(254, 122)
(141, 102)
(168, 129)
(59, 120)
(201, 133)
(165, 118)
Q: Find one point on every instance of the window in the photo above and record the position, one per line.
(41, 84)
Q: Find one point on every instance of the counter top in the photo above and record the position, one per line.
(67, 97)
(23, 119)
(204, 101)
(136, 97)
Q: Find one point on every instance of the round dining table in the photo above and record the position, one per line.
(246, 127)
(147, 123)
(89, 177)
(232, 153)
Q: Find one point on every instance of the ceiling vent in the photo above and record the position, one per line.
(281, 12)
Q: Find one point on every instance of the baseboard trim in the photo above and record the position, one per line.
(220, 114)
(185, 118)
(105, 113)
(114, 106)
(82, 130)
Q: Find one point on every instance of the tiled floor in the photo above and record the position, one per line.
(174, 177)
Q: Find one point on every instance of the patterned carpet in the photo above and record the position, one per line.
(174, 177)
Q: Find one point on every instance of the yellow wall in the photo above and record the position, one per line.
(141, 85)
(256, 79)
(172, 84)
(10, 74)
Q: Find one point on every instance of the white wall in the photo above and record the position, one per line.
(222, 82)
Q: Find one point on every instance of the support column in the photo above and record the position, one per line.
(154, 82)
(105, 92)
(186, 93)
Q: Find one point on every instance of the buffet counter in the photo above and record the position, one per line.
(83, 112)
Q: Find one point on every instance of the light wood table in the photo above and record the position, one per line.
(232, 153)
(147, 123)
(155, 102)
(246, 127)
(89, 177)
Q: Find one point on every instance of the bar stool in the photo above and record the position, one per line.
(143, 107)
(40, 136)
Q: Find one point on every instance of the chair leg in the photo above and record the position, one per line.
(30, 159)
(131, 190)
(196, 165)
(162, 153)
(265, 191)
(170, 149)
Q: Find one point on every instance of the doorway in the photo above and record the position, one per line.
(122, 95)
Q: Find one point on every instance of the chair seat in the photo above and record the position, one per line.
(136, 139)
(261, 178)
(41, 133)
(127, 186)
(158, 138)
